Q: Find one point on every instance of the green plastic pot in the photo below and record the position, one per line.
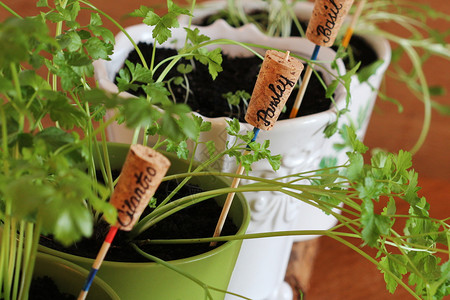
(70, 278)
(153, 281)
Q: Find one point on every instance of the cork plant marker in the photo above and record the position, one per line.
(277, 77)
(142, 172)
(323, 27)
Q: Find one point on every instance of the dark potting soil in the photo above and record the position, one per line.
(361, 52)
(240, 73)
(359, 47)
(196, 221)
(44, 288)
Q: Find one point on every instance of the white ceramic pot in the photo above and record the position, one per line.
(363, 94)
(262, 263)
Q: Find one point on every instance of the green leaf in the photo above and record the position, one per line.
(411, 191)
(170, 127)
(99, 97)
(104, 33)
(55, 138)
(370, 233)
(331, 129)
(331, 88)
(97, 49)
(71, 224)
(177, 10)
(184, 68)
(151, 19)
(211, 147)
(233, 127)
(195, 37)
(66, 114)
(71, 11)
(215, 62)
(54, 17)
(182, 150)
(441, 108)
(355, 169)
(391, 208)
(77, 59)
(27, 195)
(437, 90)
(396, 54)
(42, 3)
(275, 161)
(203, 125)
(157, 92)
(95, 20)
(396, 265)
(188, 125)
(171, 146)
(161, 33)
(370, 189)
(141, 12)
(31, 79)
(22, 37)
(365, 73)
(142, 74)
(403, 161)
(70, 40)
(139, 112)
(124, 80)
(349, 135)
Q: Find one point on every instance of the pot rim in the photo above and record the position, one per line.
(241, 230)
(46, 258)
(106, 70)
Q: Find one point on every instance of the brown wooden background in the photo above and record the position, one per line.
(337, 272)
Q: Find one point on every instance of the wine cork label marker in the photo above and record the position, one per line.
(141, 174)
(323, 27)
(277, 77)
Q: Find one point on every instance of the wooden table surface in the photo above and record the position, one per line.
(339, 273)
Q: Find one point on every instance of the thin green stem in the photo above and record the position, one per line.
(176, 205)
(28, 246)
(16, 82)
(3, 254)
(30, 267)
(247, 236)
(426, 98)
(5, 150)
(19, 259)
(6, 239)
(376, 263)
(12, 254)
(107, 160)
(57, 33)
(10, 10)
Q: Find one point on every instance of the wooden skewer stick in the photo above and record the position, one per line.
(326, 20)
(98, 262)
(142, 172)
(286, 55)
(275, 82)
(304, 85)
(351, 28)
(230, 196)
